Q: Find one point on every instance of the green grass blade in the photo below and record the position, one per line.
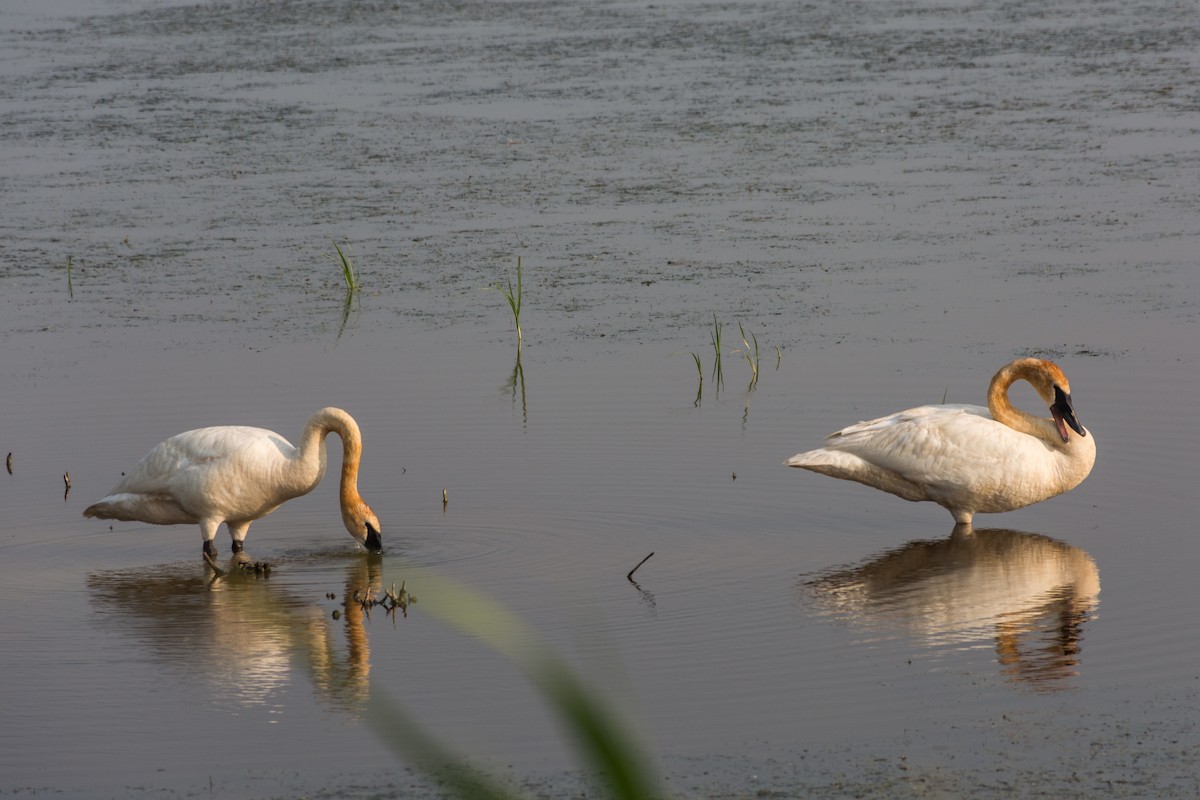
(401, 733)
(349, 274)
(514, 298)
(607, 744)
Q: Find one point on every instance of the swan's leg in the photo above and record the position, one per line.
(962, 516)
(208, 529)
(237, 532)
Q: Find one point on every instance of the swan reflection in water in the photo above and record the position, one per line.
(1026, 594)
(243, 634)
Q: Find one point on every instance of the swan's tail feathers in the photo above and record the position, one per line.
(850, 467)
(157, 510)
(829, 462)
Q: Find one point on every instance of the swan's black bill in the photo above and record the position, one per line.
(1064, 414)
(373, 543)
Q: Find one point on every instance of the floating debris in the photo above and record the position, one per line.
(392, 599)
(261, 568)
(8, 463)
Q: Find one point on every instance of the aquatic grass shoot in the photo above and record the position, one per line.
(341, 258)
(699, 380)
(70, 286)
(715, 336)
(514, 300)
(349, 273)
(751, 355)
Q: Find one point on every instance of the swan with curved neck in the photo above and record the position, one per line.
(968, 459)
(235, 474)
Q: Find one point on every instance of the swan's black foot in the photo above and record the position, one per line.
(238, 546)
(209, 549)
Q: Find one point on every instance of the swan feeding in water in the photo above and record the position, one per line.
(968, 459)
(235, 474)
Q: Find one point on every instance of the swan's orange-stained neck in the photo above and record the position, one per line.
(312, 448)
(335, 420)
(1043, 376)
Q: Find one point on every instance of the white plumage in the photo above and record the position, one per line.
(235, 475)
(968, 459)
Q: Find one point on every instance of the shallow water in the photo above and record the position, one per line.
(900, 197)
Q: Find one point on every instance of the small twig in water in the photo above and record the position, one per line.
(629, 577)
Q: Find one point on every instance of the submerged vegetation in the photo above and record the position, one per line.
(515, 382)
(393, 599)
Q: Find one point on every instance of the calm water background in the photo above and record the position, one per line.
(900, 196)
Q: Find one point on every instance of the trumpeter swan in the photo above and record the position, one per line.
(968, 459)
(235, 474)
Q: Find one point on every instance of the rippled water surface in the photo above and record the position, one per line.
(893, 198)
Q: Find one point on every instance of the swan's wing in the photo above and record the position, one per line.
(223, 473)
(919, 416)
(928, 444)
(220, 468)
(922, 447)
(150, 492)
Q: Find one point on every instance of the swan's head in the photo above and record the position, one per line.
(1054, 388)
(1064, 414)
(363, 525)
